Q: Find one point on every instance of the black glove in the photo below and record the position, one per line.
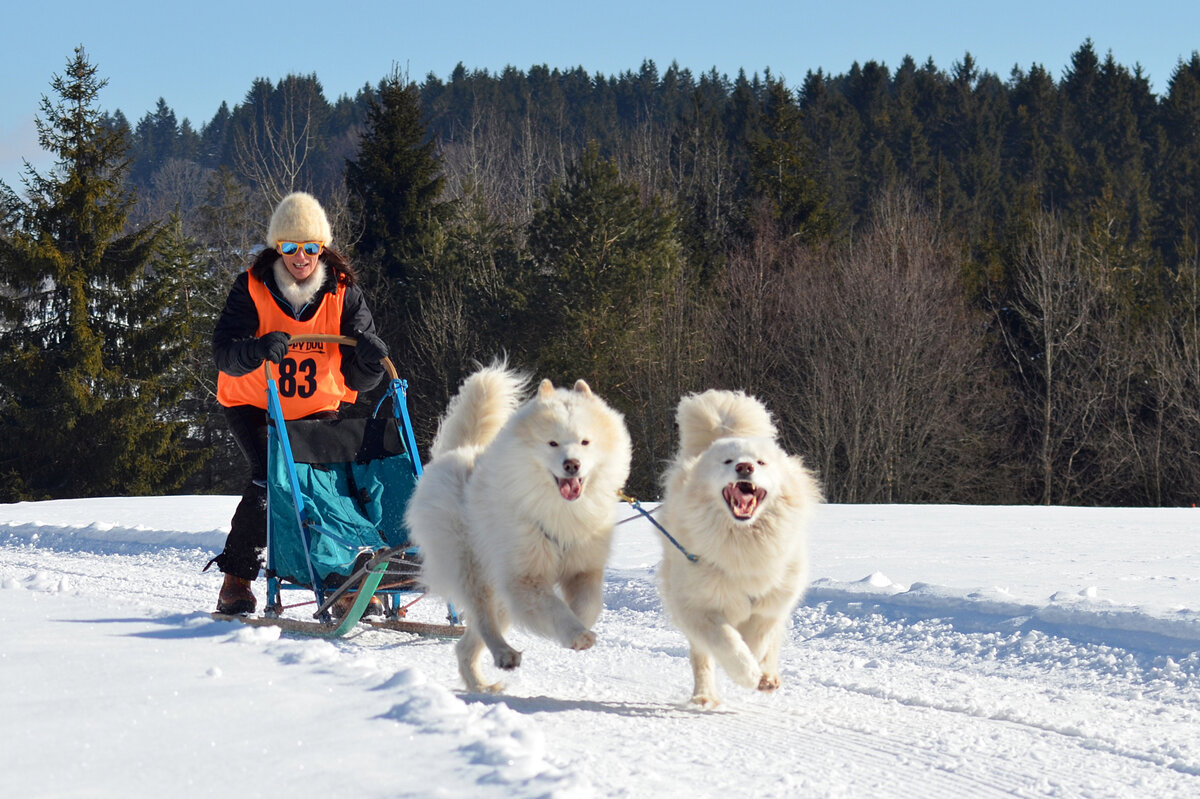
(371, 349)
(272, 347)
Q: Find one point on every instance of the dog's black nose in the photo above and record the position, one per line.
(744, 468)
(571, 467)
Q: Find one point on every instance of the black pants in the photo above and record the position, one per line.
(243, 554)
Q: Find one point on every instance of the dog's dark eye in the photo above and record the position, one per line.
(585, 442)
(762, 463)
(728, 461)
(554, 443)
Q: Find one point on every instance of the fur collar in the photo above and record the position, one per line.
(299, 293)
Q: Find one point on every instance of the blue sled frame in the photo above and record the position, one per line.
(366, 550)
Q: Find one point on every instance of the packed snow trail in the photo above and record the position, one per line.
(888, 689)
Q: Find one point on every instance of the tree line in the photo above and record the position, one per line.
(948, 286)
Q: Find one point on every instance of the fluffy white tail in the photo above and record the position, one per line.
(703, 418)
(480, 408)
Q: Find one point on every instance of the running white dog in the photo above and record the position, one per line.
(740, 504)
(515, 512)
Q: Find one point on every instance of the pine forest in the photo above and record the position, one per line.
(949, 286)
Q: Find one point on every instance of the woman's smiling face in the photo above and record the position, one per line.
(300, 265)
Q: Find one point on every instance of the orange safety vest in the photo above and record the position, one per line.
(310, 378)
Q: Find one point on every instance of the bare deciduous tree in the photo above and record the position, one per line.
(667, 364)
(504, 167)
(1166, 437)
(173, 190)
(751, 310)
(884, 368)
(1065, 357)
(272, 154)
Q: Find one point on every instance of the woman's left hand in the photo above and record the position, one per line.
(371, 348)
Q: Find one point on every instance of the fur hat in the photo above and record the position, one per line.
(299, 217)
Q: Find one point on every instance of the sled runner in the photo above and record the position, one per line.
(336, 494)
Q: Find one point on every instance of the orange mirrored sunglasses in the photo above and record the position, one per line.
(293, 247)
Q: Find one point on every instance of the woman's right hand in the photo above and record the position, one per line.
(273, 346)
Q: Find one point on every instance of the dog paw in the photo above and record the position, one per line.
(705, 701)
(585, 640)
(747, 678)
(768, 682)
(479, 686)
(507, 659)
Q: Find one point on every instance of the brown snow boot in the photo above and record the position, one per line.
(236, 597)
(341, 607)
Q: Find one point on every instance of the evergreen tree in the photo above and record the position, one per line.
(228, 230)
(1087, 167)
(156, 140)
(781, 168)
(1121, 212)
(89, 321)
(604, 264)
(971, 140)
(395, 186)
(742, 122)
(1177, 180)
(598, 251)
(868, 90)
(395, 206)
(214, 140)
(474, 304)
(907, 138)
(1033, 141)
(833, 126)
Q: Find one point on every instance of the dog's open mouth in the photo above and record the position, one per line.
(743, 498)
(570, 487)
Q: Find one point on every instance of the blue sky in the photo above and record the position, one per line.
(197, 55)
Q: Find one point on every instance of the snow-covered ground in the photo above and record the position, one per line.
(941, 652)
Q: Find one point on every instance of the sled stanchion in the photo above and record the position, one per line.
(633, 503)
(398, 391)
(279, 430)
(401, 401)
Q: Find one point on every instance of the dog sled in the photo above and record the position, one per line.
(336, 494)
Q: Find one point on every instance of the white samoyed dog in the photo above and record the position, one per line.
(515, 512)
(739, 505)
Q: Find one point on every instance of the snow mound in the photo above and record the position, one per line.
(1078, 615)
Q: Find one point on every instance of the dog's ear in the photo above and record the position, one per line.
(583, 388)
(545, 390)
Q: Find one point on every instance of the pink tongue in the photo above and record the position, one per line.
(570, 487)
(745, 504)
(740, 503)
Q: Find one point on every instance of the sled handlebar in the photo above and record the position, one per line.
(347, 340)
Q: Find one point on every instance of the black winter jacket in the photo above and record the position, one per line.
(235, 333)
